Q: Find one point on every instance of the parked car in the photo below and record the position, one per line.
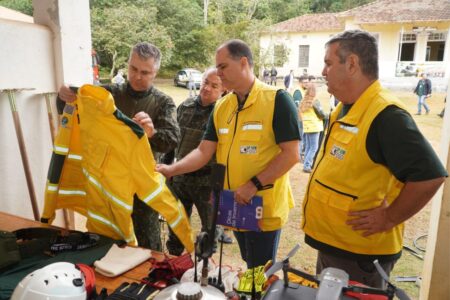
(181, 78)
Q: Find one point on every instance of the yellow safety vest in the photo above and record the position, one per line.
(345, 179)
(311, 123)
(246, 145)
(98, 166)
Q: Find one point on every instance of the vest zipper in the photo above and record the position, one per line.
(229, 149)
(336, 191)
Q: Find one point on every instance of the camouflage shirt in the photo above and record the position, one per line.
(192, 119)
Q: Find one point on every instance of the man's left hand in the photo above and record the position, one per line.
(144, 120)
(371, 221)
(244, 193)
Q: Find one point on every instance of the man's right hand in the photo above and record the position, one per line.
(66, 94)
(166, 170)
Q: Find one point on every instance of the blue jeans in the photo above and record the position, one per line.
(422, 101)
(257, 248)
(311, 140)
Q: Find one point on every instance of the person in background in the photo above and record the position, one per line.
(155, 112)
(374, 171)
(423, 91)
(273, 76)
(289, 81)
(253, 131)
(311, 115)
(266, 76)
(118, 79)
(194, 188)
(191, 85)
(298, 95)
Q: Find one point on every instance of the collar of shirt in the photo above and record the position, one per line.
(136, 94)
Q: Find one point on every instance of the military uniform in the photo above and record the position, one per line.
(192, 188)
(161, 109)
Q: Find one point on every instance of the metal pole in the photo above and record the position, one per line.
(23, 153)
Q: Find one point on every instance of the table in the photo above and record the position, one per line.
(10, 222)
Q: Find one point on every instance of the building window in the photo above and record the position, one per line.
(435, 46)
(280, 55)
(303, 56)
(409, 37)
(407, 47)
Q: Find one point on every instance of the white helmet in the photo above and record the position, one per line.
(59, 280)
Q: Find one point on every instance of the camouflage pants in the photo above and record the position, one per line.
(146, 225)
(190, 195)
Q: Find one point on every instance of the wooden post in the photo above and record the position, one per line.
(23, 152)
(436, 268)
(50, 117)
(67, 221)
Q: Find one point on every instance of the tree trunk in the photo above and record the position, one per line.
(205, 12)
(113, 68)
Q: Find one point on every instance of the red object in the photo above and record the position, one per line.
(361, 296)
(95, 64)
(89, 277)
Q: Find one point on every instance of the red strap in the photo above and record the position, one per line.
(89, 277)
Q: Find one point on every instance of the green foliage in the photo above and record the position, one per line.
(177, 27)
(24, 6)
(115, 30)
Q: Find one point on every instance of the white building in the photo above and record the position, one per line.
(413, 37)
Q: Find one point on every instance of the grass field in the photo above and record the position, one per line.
(408, 265)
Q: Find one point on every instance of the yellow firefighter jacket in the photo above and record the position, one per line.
(101, 159)
(246, 145)
(345, 179)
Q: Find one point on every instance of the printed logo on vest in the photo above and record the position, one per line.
(64, 122)
(248, 150)
(337, 152)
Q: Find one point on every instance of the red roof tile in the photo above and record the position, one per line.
(381, 11)
(310, 22)
(398, 11)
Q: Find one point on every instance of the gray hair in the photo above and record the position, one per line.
(146, 51)
(363, 45)
(209, 71)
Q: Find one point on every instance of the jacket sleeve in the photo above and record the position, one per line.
(167, 133)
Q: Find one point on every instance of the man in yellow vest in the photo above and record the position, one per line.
(374, 171)
(254, 132)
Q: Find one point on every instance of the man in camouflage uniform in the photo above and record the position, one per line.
(155, 112)
(195, 188)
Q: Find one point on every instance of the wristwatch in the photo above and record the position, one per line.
(257, 183)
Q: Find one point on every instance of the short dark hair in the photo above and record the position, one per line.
(146, 51)
(361, 43)
(237, 49)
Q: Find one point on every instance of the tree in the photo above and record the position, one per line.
(24, 6)
(116, 29)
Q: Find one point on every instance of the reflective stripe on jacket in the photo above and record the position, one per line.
(246, 145)
(115, 162)
(347, 179)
